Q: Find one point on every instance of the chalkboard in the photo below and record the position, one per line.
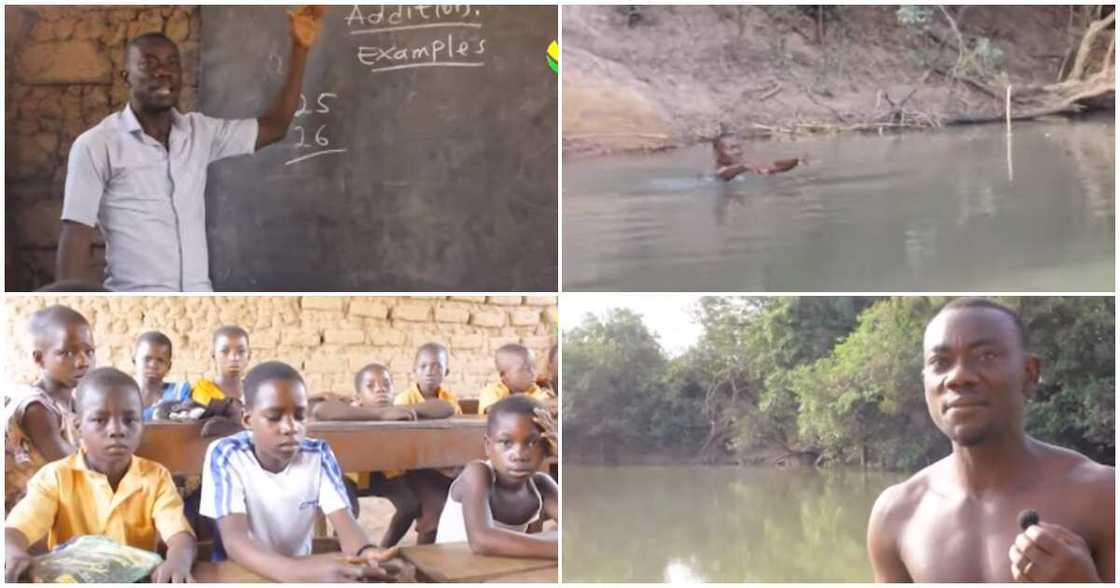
(424, 156)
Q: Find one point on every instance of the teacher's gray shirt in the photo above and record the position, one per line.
(147, 200)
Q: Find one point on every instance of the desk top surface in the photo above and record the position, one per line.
(359, 446)
(223, 572)
(460, 422)
(444, 562)
(455, 562)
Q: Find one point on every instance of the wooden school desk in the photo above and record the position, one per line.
(454, 562)
(359, 446)
(451, 562)
(210, 572)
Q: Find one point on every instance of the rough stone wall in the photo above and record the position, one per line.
(327, 338)
(63, 68)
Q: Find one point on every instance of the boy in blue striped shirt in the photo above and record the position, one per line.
(265, 486)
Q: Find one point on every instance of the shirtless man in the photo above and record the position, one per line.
(956, 520)
(730, 162)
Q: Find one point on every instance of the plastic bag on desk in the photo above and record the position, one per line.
(93, 559)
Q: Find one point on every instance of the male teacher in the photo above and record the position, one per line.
(964, 518)
(140, 175)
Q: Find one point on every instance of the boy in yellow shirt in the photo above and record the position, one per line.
(103, 489)
(231, 356)
(429, 368)
(517, 375)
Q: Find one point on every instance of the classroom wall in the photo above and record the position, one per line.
(326, 338)
(63, 65)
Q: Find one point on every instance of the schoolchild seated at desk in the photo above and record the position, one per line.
(39, 418)
(222, 396)
(373, 402)
(265, 487)
(516, 375)
(103, 489)
(152, 361)
(430, 367)
(494, 503)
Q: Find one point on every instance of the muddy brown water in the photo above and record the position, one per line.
(683, 524)
(932, 211)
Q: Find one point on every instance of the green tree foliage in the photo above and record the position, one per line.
(748, 347)
(822, 378)
(1075, 403)
(616, 395)
(863, 403)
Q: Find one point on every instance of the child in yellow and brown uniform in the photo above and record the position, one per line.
(231, 356)
(39, 419)
(516, 376)
(373, 402)
(103, 489)
(430, 366)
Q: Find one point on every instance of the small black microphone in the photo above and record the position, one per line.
(1027, 518)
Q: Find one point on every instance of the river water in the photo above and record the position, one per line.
(932, 211)
(717, 524)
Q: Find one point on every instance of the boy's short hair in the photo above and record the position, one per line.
(45, 321)
(144, 38)
(511, 349)
(229, 331)
(266, 372)
(368, 368)
(153, 338)
(966, 302)
(518, 404)
(431, 347)
(103, 378)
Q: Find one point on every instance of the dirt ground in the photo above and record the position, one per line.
(650, 77)
(374, 518)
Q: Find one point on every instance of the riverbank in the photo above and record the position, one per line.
(656, 77)
(768, 457)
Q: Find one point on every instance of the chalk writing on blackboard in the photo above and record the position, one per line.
(463, 47)
(277, 63)
(319, 140)
(403, 15)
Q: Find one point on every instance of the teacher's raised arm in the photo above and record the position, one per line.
(306, 23)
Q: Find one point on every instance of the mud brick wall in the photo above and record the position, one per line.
(63, 68)
(327, 338)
